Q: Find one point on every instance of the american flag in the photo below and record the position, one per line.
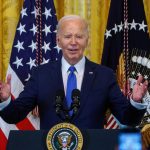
(111, 123)
(126, 28)
(34, 44)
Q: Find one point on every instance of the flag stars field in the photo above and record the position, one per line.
(31, 63)
(34, 29)
(133, 25)
(19, 46)
(18, 62)
(46, 46)
(23, 12)
(35, 12)
(47, 13)
(107, 34)
(126, 25)
(47, 29)
(58, 48)
(142, 26)
(120, 26)
(33, 46)
(115, 29)
(28, 77)
(45, 61)
(21, 28)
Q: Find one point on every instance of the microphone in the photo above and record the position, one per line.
(60, 110)
(75, 101)
(59, 101)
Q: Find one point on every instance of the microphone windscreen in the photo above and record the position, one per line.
(75, 93)
(60, 93)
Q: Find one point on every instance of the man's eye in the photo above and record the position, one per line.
(67, 37)
(79, 37)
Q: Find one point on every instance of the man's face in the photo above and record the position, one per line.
(72, 39)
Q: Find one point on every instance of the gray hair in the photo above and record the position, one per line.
(72, 17)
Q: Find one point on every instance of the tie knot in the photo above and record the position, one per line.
(72, 69)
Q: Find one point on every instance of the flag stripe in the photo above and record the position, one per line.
(4, 139)
(17, 84)
(34, 120)
(7, 127)
(25, 125)
(111, 123)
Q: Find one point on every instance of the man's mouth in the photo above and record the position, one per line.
(73, 49)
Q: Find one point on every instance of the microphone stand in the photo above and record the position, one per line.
(67, 116)
(61, 111)
(75, 105)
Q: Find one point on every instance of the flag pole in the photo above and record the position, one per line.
(126, 44)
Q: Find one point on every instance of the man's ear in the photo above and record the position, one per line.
(87, 42)
(57, 40)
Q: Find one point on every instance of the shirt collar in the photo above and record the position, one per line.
(79, 66)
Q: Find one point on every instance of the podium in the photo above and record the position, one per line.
(93, 139)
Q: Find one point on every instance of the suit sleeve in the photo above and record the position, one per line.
(121, 106)
(19, 108)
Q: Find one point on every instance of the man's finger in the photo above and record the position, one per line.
(140, 79)
(0, 85)
(35, 111)
(128, 85)
(145, 83)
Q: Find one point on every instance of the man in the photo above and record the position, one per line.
(98, 86)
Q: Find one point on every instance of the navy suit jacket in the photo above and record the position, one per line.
(99, 91)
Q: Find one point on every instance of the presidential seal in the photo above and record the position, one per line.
(64, 136)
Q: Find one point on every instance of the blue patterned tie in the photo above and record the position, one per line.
(71, 84)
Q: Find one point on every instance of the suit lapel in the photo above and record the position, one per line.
(58, 76)
(59, 80)
(88, 78)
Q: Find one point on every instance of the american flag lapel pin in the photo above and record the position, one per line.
(91, 72)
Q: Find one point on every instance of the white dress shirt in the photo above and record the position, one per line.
(80, 67)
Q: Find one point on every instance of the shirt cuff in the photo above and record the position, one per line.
(5, 103)
(138, 105)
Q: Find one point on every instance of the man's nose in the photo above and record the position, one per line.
(73, 40)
